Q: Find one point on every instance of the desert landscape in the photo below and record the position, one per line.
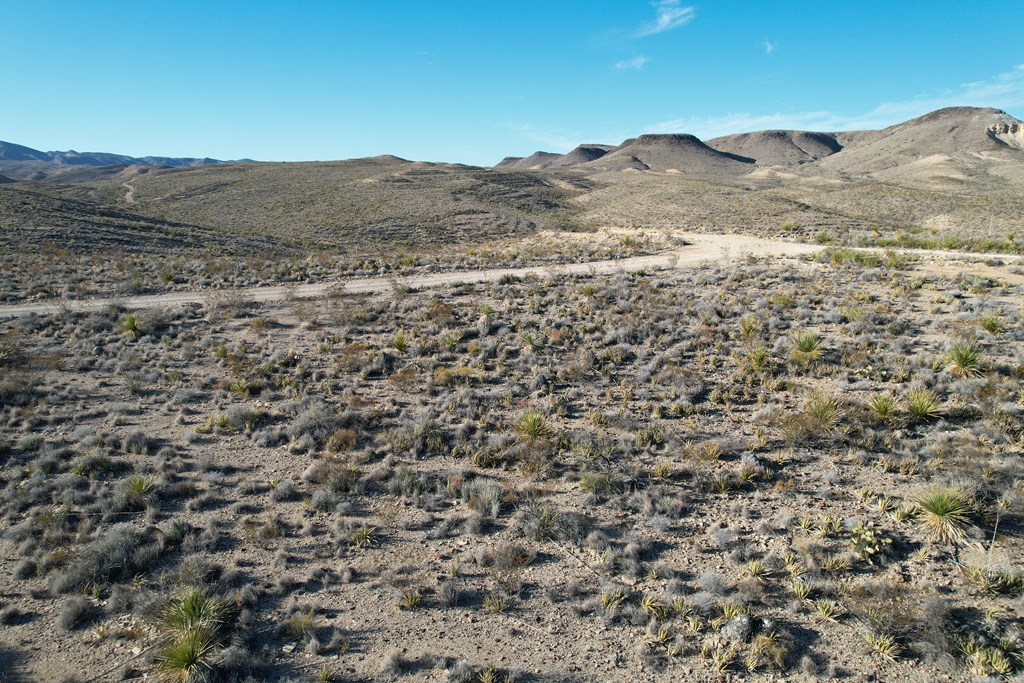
(748, 408)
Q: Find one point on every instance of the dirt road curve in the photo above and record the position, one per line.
(129, 194)
(702, 248)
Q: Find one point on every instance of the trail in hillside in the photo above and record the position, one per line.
(129, 194)
(702, 248)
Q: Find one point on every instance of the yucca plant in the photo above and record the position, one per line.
(612, 599)
(400, 342)
(187, 658)
(137, 488)
(992, 323)
(131, 326)
(194, 609)
(822, 413)
(883, 646)
(409, 598)
(496, 602)
(530, 340)
(749, 326)
(964, 360)
(363, 537)
(759, 358)
(806, 348)
(884, 406)
(923, 405)
(944, 514)
(654, 606)
(827, 610)
(533, 425)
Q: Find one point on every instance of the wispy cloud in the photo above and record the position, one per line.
(769, 47)
(1005, 90)
(634, 64)
(551, 139)
(669, 14)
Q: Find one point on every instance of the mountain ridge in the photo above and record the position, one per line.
(13, 155)
(942, 144)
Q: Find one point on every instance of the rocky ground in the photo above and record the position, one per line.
(762, 470)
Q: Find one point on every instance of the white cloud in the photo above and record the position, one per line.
(1003, 91)
(668, 15)
(769, 47)
(552, 140)
(634, 64)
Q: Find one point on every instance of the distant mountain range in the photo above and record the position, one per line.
(947, 149)
(951, 143)
(20, 161)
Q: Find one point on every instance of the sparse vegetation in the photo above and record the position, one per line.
(721, 469)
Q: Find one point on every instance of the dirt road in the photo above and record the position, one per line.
(703, 247)
(129, 194)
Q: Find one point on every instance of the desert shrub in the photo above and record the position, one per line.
(10, 615)
(16, 390)
(30, 443)
(76, 612)
(137, 443)
(113, 557)
(317, 421)
(284, 491)
(242, 418)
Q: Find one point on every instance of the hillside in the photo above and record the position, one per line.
(24, 162)
(582, 154)
(953, 148)
(374, 201)
(778, 147)
(536, 160)
(682, 153)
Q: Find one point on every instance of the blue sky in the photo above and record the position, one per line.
(472, 82)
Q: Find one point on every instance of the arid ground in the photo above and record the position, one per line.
(382, 420)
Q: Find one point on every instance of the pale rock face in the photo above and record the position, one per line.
(1010, 133)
